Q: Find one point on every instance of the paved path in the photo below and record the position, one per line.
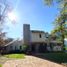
(31, 61)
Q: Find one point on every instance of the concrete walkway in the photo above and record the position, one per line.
(31, 61)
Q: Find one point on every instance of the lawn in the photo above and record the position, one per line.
(7, 57)
(0, 65)
(15, 56)
(55, 57)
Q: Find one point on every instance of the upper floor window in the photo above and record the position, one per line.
(40, 36)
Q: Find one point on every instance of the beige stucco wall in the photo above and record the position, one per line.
(35, 37)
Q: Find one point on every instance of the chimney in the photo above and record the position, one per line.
(26, 34)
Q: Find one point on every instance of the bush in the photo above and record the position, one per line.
(25, 48)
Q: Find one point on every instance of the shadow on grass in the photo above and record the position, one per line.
(54, 57)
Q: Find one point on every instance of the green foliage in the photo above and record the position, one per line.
(60, 22)
(56, 57)
(0, 65)
(16, 56)
(48, 2)
(24, 47)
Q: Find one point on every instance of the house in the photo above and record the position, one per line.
(15, 46)
(12, 46)
(38, 40)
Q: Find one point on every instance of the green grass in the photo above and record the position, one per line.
(56, 57)
(16, 56)
(0, 65)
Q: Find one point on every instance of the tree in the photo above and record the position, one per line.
(60, 22)
(4, 9)
(8, 40)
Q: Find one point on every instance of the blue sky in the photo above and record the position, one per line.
(32, 12)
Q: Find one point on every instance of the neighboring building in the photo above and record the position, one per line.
(13, 46)
(38, 40)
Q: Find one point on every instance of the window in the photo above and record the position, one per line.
(40, 35)
(20, 47)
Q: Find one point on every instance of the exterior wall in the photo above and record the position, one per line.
(35, 37)
(38, 47)
(14, 46)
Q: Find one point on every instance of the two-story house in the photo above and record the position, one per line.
(35, 38)
(39, 40)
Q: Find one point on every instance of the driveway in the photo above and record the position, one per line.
(31, 61)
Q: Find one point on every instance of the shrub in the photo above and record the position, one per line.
(25, 48)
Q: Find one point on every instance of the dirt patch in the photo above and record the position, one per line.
(31, 61)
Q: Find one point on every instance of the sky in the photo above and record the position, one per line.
(33, 12)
